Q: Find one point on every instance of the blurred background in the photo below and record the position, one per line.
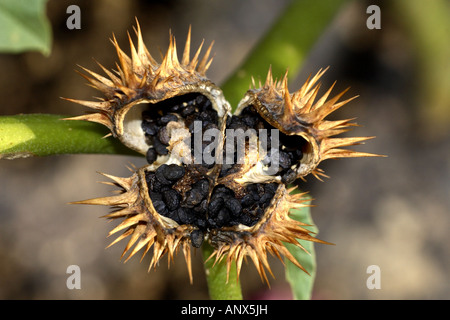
(391, 212)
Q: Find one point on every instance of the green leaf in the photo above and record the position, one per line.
(44, 134)
(24, 26)
(302, 283)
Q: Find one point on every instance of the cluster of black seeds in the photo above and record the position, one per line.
(190, 108)
(194, 207)
(187, 208)
(187, 194)
(290, 148)
(226, 210)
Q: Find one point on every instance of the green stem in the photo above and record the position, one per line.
(428, 30)
(285, 46)
(44, 134)
(216, 277)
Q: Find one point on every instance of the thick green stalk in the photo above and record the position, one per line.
(44, 134)
(428, 28)
(285, 46)
(219, 288)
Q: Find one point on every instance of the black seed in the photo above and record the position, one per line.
(205, 116)
(193, 197)
(201, 223)
(252, 187)
(255, 195)
(212, 223)
(153, 183)
(208, 165)
(207, 104)
(159, 147)
(234, 205)
(155, 195)
(174, 172)
(215, 205)
(167, 118)
(173, 215)
(211, 126)
(197, 238)
(150, 128)
(220, 195)
(247, 200)
(165, 188)
(175, 108)
(160, 174)
(266, 197)
(160, 207)
(245, 220)
(187, 111)
(271, 187)
(260, 188)
(267, 159)
(223, 189)
(289, 177)
(151, 155)
(200, 99)
(202, 207)
(171, 199)
(156, 185)
(184, 216)
(223, 217)
(284, 160)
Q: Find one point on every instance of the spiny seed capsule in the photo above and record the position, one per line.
(187, 193)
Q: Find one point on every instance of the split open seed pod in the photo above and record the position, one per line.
(231, 192)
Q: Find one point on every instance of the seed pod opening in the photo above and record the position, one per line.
(280, 153)
(169, 127)
(144, 87)
(304, 132)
